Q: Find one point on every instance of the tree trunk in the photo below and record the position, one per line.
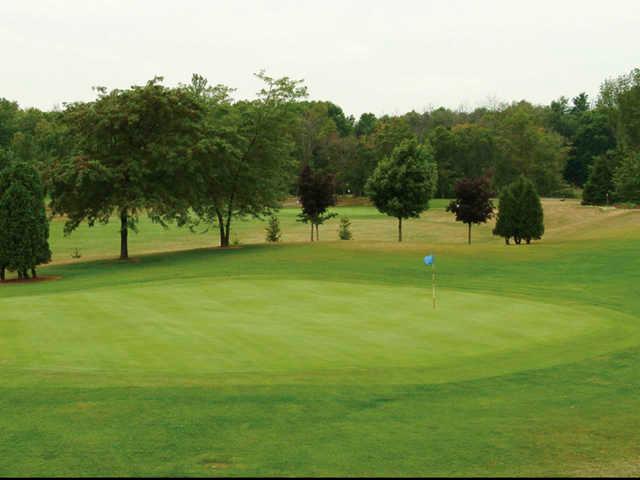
(227, 233)
(33, 273)
(317, 234)
(124, 234)
(223, 236)
(2, 275)
(506, 240)
(469, 234)
(312, 232)
(528, 241)
(400, 229)
(223, 232)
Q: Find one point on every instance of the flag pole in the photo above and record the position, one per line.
(433, 283)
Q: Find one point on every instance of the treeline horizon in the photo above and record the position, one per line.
(195, 154)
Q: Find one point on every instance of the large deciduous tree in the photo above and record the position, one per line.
(472, 204)
(403, 183)
(527, 148)
(24, 227)
(131, 154)
(245, 155)
(620, 98)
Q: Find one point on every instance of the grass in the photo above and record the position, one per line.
(327, 358)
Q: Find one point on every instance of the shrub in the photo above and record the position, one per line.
(345, 229)
(273, 229)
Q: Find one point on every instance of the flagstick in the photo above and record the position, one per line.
(433, 283)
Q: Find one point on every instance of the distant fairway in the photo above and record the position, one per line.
(321, 359)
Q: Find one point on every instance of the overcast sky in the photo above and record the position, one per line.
(378, 56)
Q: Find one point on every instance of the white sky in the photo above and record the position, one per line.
(370, 55)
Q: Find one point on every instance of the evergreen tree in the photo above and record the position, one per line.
(627, 179)
(505, 217)
(24, 228)
(520, 212)
(344, 233)
(273, 229)
(531, 213)
(599, 185)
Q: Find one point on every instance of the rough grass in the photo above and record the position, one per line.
(327, 359)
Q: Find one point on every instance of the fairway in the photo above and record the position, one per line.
(328, 358)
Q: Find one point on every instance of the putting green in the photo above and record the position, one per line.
(256, 329)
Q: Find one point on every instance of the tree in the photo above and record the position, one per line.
(343, 123)
(245, 155)
(593, 137)
(403, 183)
(505, 219)
(344, 232)
(316, 193)
(599, 186)
(620, 98)
(473, 201)
(273, 229)
(520, 212)
(627, 179)
(527, 148)
(24, 228)
(366, 124)
(131, 154)
(389, 133)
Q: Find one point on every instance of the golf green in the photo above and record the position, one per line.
(270, 328)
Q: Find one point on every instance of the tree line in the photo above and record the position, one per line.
(198, 156)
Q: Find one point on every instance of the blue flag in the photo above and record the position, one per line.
(429, 260)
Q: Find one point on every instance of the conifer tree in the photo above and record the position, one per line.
(520, 214)
(24, 228)
(599, 185)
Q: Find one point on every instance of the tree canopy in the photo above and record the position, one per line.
(403, 183)
(472, 204)
(131, 153)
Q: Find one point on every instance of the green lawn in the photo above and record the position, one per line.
(328, 358)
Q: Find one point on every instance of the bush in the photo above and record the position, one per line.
(273, 229)
(345, 229)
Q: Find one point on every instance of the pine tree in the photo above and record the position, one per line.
(599, 185)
